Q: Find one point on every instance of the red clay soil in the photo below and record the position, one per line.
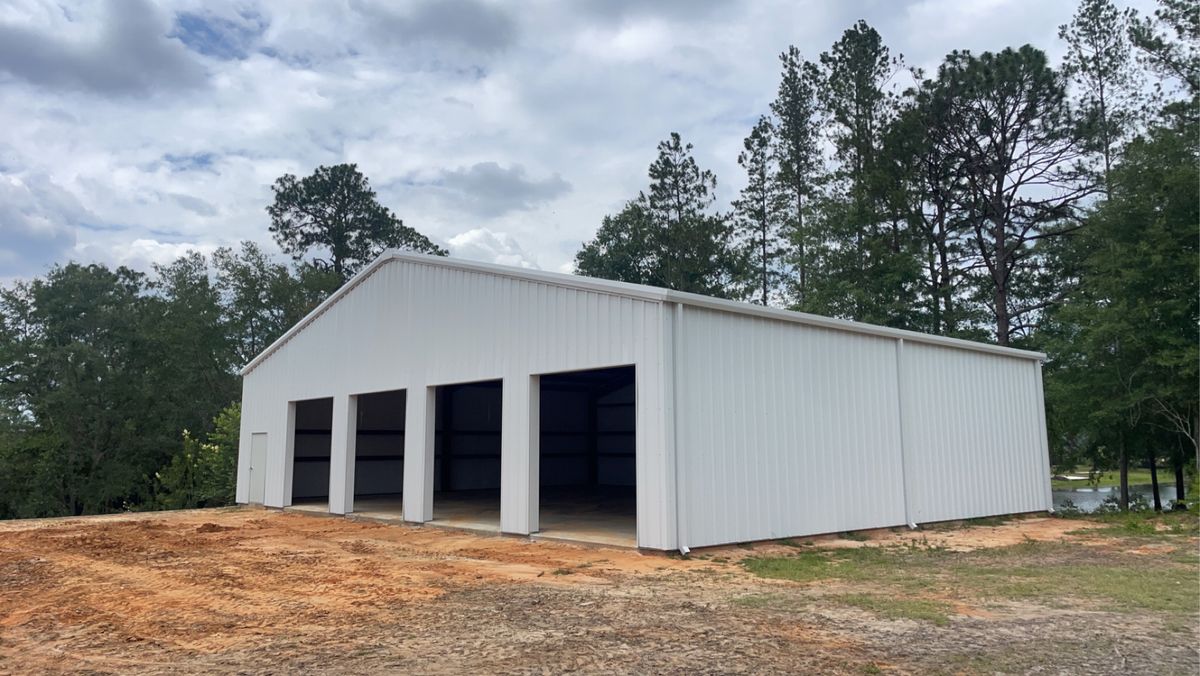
(258, 591)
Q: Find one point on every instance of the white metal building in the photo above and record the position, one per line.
(527, 401)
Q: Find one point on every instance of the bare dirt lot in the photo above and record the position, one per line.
(257, 591)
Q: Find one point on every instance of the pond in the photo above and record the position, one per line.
(1089, 498)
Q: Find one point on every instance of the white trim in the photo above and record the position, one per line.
(638, 291)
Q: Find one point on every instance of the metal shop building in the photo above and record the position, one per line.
(437, 390)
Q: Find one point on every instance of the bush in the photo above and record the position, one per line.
(1069, 509)
(202, 474)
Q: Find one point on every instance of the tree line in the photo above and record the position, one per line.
(119, 389)
(1000, 198)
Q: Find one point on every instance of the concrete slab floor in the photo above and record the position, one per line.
(604, 515)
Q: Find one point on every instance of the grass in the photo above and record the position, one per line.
(1113, 478)
(894, 608)
(1121, 587)
(1146, 524)
(894, 578)
(758, 600)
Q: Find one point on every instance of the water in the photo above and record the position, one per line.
(1089, 498)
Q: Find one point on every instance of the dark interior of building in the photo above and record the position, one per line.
(379, 445)
(310, 470)
(466, 471)
(588, 464)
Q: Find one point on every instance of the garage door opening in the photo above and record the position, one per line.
(379, 454)
(587, 466)
(310, 462)
(466, 470)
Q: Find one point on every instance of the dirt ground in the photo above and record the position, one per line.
(256, 591)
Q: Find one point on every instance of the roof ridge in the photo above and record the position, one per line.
(639, 291)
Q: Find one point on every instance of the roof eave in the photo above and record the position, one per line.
(638, 291)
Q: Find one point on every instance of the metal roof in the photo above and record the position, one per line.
(639, 291)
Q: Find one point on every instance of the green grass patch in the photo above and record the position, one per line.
(894, 608)
(1124, 587)
(1053, 574)
(903, 567)
(853, 535)
(1139, 524)
(1112, 478)
(758, 600)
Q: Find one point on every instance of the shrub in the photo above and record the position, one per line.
(203, 474)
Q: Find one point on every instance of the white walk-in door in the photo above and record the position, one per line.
(258, 467)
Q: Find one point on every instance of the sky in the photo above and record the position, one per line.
(132, 131)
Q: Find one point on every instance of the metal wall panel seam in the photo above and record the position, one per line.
(1043, 442)
(681, 514)
(904, 441)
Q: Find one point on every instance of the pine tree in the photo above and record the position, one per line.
(1100, 64)
(670, 235)
(923, 189)
(869, 270)
(1019, 152)
(759, 215)
(798, 119)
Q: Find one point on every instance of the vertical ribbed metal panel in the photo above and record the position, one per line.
(412, 325)
(789, 430)
(761, 427)
(785, 429)
(977, 434)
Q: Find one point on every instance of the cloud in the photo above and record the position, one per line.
(526, 122)
(221, 37)
(38, 221)
(484, 245)
(487, 189)
(141, 254)
(680, 10)
(472, 24)
(194, 204)
(128, 54)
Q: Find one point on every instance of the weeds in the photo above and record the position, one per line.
(894, 608)
(1044, 571)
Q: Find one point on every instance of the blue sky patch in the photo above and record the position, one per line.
(192, 162)
(219, 37)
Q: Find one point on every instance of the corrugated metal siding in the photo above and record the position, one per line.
(767, 427)
(976, 433)
(785, 430)
(789, 430)
(411, 325)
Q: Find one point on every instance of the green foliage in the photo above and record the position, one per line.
(1125, 349)
(335, 211)
(202, 474)
(1169, 47)
(893, 608)
(669, 236)
(760, 216)
(103, 369)
(798, 117)
(865, 267)
(1040, 571)
(1099, 61)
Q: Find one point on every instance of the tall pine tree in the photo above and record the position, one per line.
(1099, 63)
(759, 216)
(670, 235)
(798, 119)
